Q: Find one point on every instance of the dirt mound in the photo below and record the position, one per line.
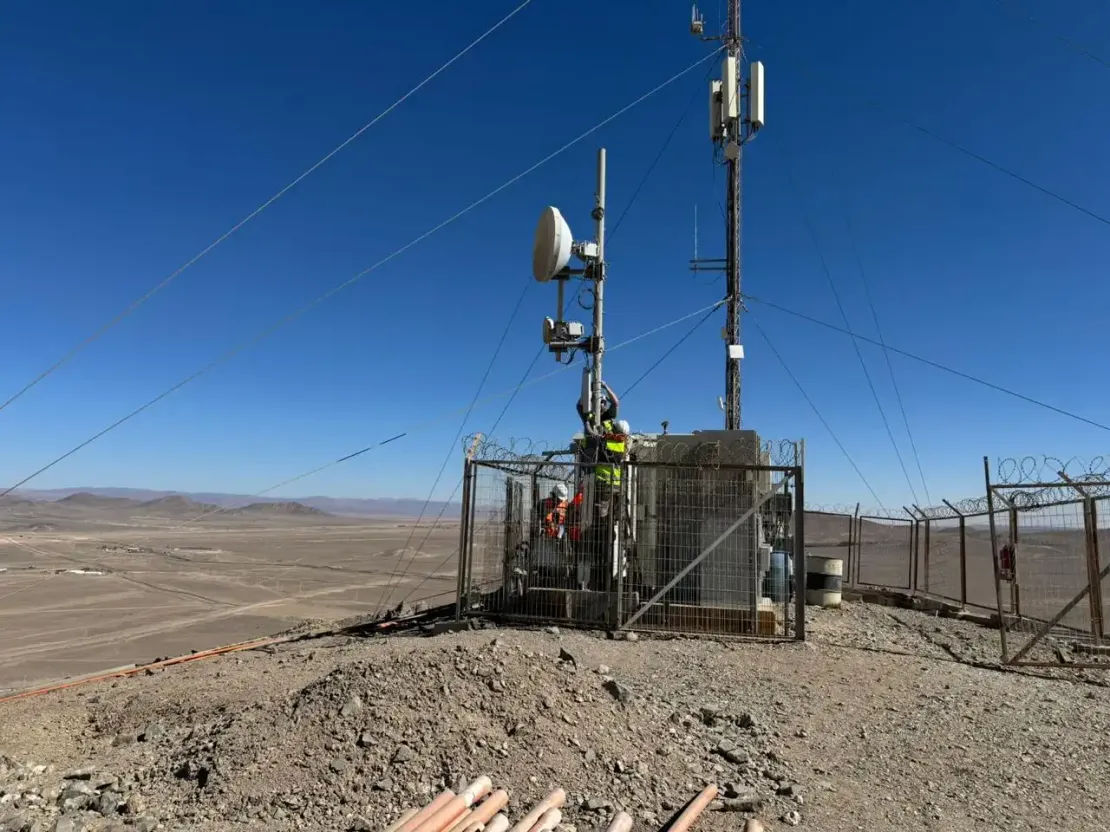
(385, 732)
(399, 730)
(290, 507)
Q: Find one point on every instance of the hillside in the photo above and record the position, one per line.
(88, 500)
(400, 507)
(175, 505)
(290, 508)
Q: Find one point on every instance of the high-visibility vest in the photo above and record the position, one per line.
(554, 517)
(610, 456)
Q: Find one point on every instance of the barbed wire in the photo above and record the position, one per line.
(519, 455)
(1035, 470)
(783, 452)
(1023, 499)
(528, 456)
(1050, 480)
(849, 510)
(967, 507)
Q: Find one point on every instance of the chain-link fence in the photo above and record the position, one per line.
(1031, 551)
(1046, 529)
(885, 549)
(682, 537)
(941, 551)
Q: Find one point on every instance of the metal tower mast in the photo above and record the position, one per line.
(733, 217)
(735, 114)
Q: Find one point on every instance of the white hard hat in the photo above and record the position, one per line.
(560, 491)
(622, 426)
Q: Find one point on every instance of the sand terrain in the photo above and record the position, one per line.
(93, 584)
(885, 720)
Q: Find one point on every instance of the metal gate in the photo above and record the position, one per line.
(1050, 585)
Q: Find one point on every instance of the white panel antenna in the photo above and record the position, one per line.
(730, 96)
(716, 122)
(755, 95)
(552, 248)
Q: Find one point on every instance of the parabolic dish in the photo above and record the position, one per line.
(551, 251)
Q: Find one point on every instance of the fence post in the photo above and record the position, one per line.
(464, 552)
(1094, 579)
(994, 559)
(1015, 585)
(1094, 566)
(848, 560)
(857, 528)
(963, 552)
(915, 549)
(928, 547)
(799, 555)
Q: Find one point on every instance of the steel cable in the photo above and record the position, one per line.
(458, 433)
(817, 413)
(65, 359)
(231, 353)
(816, 243)
(935, 364)
(608, 239)
(385, 603)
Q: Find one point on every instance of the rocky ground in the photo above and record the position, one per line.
(885, 719)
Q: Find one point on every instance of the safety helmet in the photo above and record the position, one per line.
(622, 427)
(559, 492)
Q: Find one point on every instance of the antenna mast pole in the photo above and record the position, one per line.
(733, 218)
(598, 266)
(735, 115)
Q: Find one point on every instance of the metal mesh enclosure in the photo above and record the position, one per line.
(684, 539)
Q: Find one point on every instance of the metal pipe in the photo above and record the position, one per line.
(553, 801)
(480, 815)
(693, 809)
(548, 821)
(450, 812)
(406, 815)
(440, 801)
(599, 291)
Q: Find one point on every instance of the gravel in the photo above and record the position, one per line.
(885, 719)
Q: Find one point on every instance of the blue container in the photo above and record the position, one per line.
(778, 583)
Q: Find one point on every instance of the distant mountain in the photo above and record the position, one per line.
(84, 498)
(402, 508)
(288, 507)
(175, 505)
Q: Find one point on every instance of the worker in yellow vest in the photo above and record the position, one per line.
(612, 452)
(607, 452)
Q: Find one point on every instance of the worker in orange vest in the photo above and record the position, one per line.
(554, 512)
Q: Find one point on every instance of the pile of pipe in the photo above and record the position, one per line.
(480, 808)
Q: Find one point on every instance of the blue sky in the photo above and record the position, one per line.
(135, 134)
